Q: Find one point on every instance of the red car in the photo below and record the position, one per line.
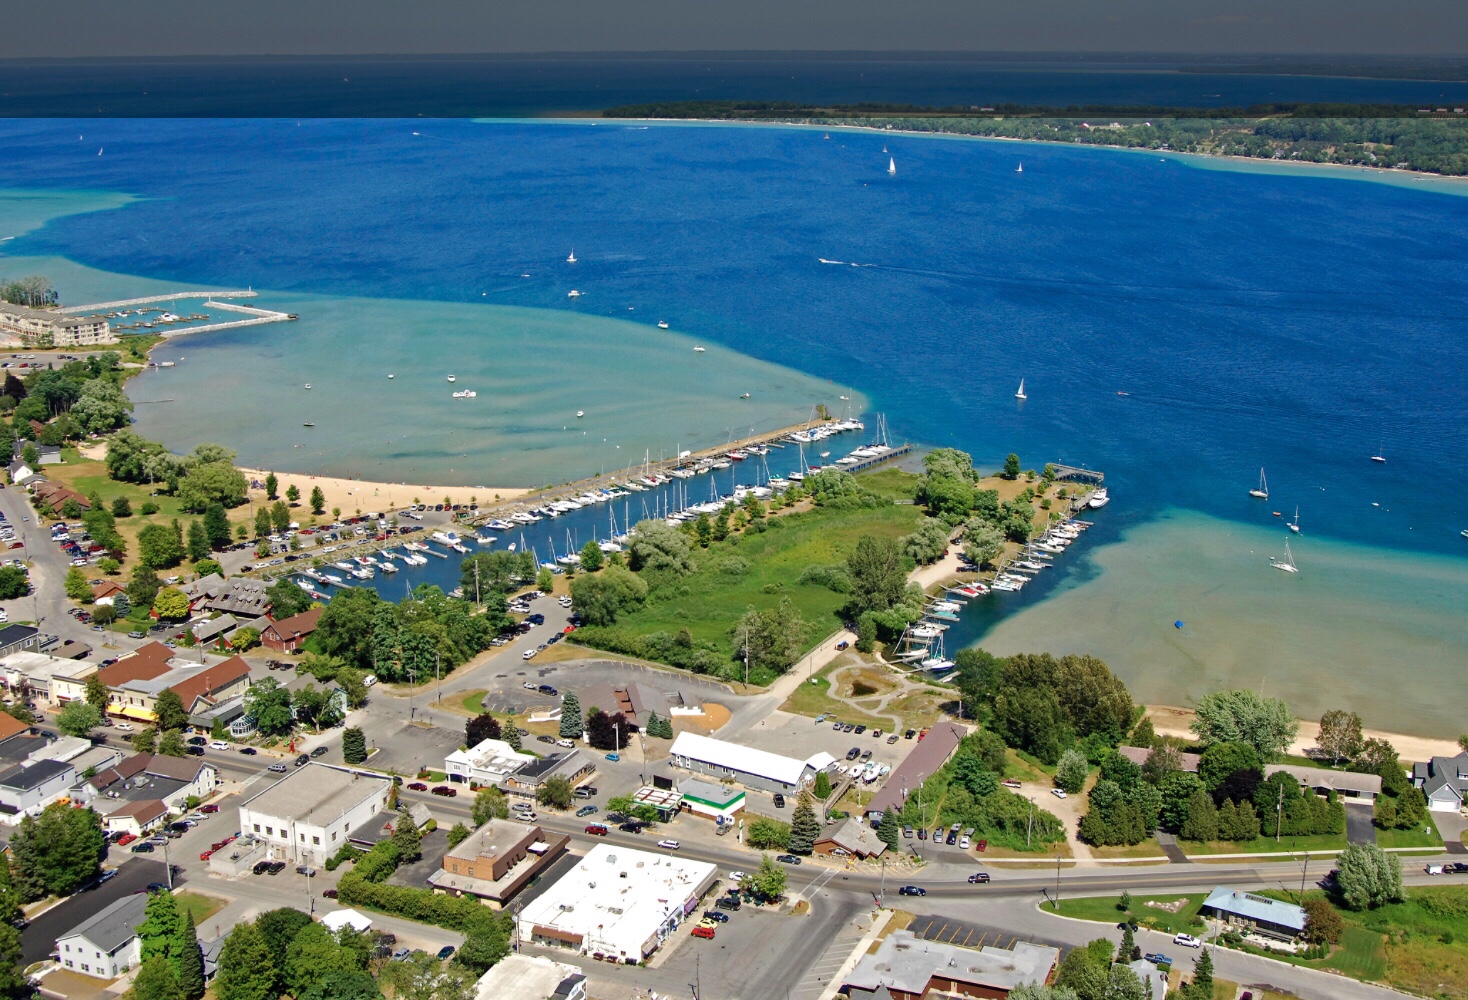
(206, 855)
(703, 932)
(981, 845)
(211, 808)
(445, 790)
(417, 786)
(126, 838)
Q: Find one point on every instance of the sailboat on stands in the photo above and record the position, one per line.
(1262, 490)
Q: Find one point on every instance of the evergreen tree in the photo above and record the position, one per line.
(654, 725)
(1128, 944)
(888, 832)
(14, 984)
(170, 710)
(190, 961)
(822, 787)
(354, 745)
(263, 526)
(1201, 988)
(512, 735)
(571, 726)
(318, 500)
(198, 541)
(804, 826)
(406, 838)
(1202, 821)
(272, 486)
(247, 971)
(216, 526)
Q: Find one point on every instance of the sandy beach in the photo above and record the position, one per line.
(353, 495)
(1170, 720)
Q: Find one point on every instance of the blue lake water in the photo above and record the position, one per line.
(1297, 322)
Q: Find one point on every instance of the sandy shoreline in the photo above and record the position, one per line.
(354, 495)
(1170, 720)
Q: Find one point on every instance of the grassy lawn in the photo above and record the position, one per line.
(1361, 955)
(200, 905)
(1146, 849)
(763, 569)
(1267, 845)
(813, 698)
(1103, 909)
(894, 484)
(1419, 837)
(1027, 768)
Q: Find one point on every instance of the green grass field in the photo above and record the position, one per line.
(1103, 909)
(894, 484)
(1419, 837)
(814, 698)
(1267, 845)
(200, 905)
(761, 569)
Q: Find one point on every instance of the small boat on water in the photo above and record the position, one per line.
(1262, 490)
(308, 424)
(1099, 499)
(392, 376)
(1380, 455)
(308, 385)
(453, 378)
(699, 350)
(662, 324)
(1287, 563)
(572, 259)
(1020, 169)
(1020, 394)
(580, 414)
(573, 294)
(891, 167)
(1295, 524)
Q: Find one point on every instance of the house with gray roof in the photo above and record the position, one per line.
(240, 596)
(1444, 780)
(852, 838)
(106, 943)
(26, 790)
(1258, 914)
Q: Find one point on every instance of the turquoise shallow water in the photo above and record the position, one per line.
(1254, 318)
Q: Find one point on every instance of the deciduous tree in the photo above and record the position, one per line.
(1071, 771)
(77, 586)
(768, 880)
(247, 969)
(170, 710)
(490, 804)
(1340, 735)
(1368, 877)
(78, 718)
(555, 792)
(1242, 716)
(54, 853)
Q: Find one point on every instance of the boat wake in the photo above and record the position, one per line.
(847, 263)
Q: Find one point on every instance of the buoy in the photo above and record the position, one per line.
(1178, 623)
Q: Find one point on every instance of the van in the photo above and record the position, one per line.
(596, 829)
(369, 680)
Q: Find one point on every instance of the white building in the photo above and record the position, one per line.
(486, 763)
(26, 790)
(307, 815)
(34, 672)
(50, 328)
(106, 943)
(531, 977)
(746, 765)
(617, 903)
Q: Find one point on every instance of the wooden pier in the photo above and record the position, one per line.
(1072, 474)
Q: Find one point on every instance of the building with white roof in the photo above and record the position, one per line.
(34, 671)
(531, 977)
(490, 762)
(337, 919)
(617, 904)
(307, 815)
(752, 768)
(907, 966)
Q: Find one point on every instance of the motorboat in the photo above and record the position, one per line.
(453, 378)
(1099, 499)
(662, 324)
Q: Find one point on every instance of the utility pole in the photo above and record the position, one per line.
(167, 865)
(1057, 883)
(437, 677)
(1279, 814)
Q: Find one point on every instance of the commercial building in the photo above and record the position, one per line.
(1444, 780)
(212, 630)
(906, 967)
(307, 815)
(1346, 784)
(710, 799)
(106, 943)
(287, 634)
(197, 686)
(530, 778)
(26, 790)
(852, 839)
(34, 672)
(147, 777)
(746, 765)
(1258, 914)
(618, 904)
(487, 763)
(531, 977)
(922, 762)
(46, 328)
(241, 596)
(497, 861)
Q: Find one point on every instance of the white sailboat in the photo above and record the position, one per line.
(1295, 524)
(892, 166)
(1287, 563)
(1021, 393)
(1262, 490)
(1020, 169)
(572, 259)
(1380, 455)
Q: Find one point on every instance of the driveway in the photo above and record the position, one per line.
(1359, 826)
(1451, 827)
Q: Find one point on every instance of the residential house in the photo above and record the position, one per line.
(106, 943)
(1323, 781)
(14, 638)
(212, 630)
(1138, 756)
(288, 634)
(54, 496)
(497, 861)
(26, 790)
(106, 591)
(137, 818)
(1444, 780)
(35, 672)
(141, 777)
(21, 473)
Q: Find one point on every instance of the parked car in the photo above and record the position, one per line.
(631, 826)
(1011, 783)
(585, 811)
(547, 739)
(329, 894)
(668, 845)
(1187, 941)
(787, 859)
(1059, 793)
(779, 801)
(716, 916)
(219, 745)
(614, 757)
(261, 867)
(892, 739)
(143, 848)
(276, 867)
(445, 791)
(737, 876)
(596, 829)
(319, 752)
(912, 890)
(703, 932)
(980, 878)
(446, 952)
(728, 903)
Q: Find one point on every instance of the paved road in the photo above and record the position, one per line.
(134, 874)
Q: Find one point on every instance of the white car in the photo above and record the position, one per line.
(529, 653)
(565, 743)
(126, 727)
(668, 845)
(1059, 793)
(369, 680)
(219, 745)
(1187, 941)
(736, 876)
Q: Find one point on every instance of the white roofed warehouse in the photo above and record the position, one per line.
(618, 904)
(752, 768)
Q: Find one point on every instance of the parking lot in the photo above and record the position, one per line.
(970, 935)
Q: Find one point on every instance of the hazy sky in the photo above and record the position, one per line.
(305, 27)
